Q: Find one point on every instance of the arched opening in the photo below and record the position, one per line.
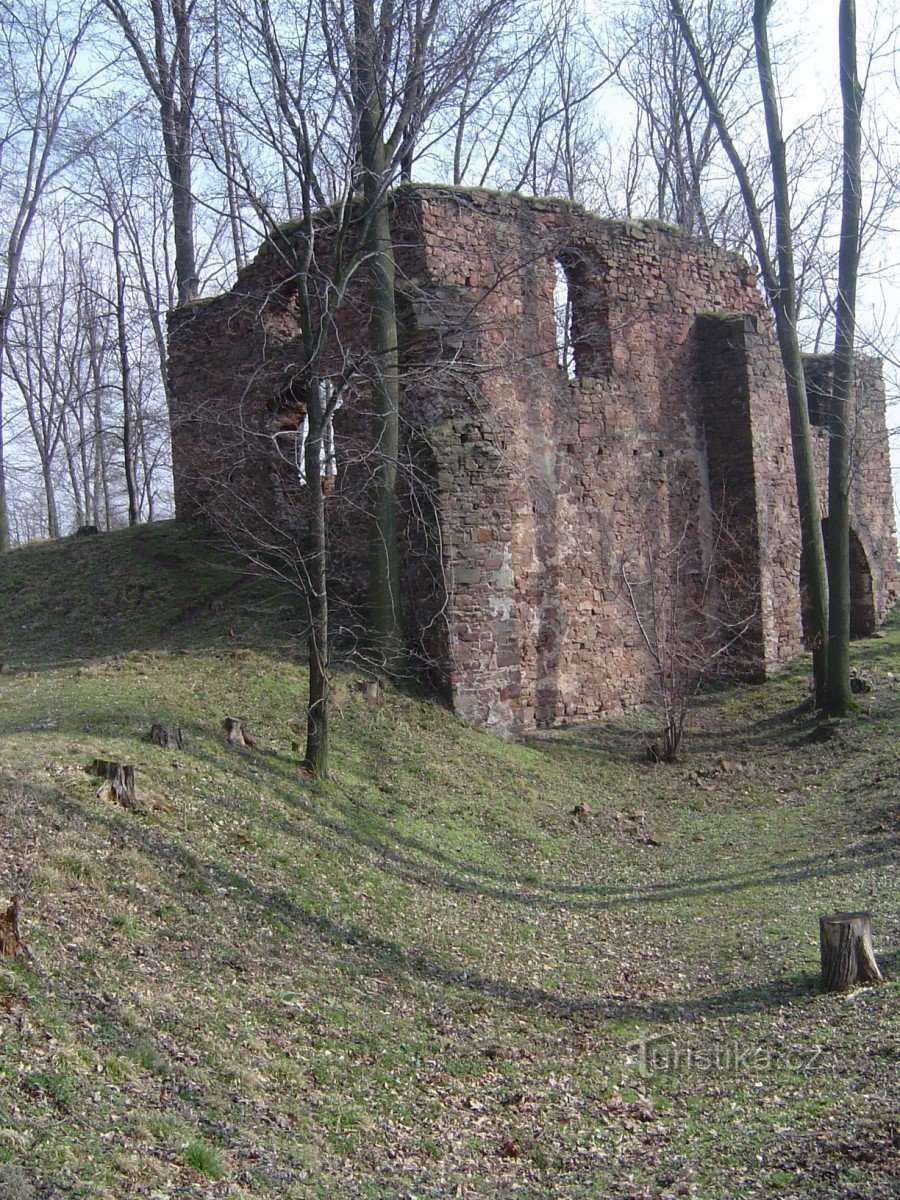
(863, 619)
(863, 616)
(562, 316)
(581, 315)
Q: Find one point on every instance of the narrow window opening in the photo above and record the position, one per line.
(292, 432)
(291, 447)
(562, 313)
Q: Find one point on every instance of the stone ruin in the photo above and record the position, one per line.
(542, 453)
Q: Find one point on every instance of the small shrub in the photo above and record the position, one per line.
(205, 1159)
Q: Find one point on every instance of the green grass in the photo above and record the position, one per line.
(158, 585)
(205, 1160)
(426, 977)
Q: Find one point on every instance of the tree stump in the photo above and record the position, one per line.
(237, 732)
(167, 736)
(845, 942)
(10, 937)
(119, 784)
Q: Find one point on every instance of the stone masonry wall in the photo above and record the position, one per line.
(871, 493)
(526, 492)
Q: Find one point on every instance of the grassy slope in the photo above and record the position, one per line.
(426, 979)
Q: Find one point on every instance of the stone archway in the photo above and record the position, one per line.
(863, 616)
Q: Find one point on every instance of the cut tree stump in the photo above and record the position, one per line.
(119, 784)
(10, 939)
(237, 732)
(168, 736)
(845, 942)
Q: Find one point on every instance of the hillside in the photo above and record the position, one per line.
(428, 978)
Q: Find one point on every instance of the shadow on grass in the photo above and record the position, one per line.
(364, 950)
(414, 861)
(625, 740)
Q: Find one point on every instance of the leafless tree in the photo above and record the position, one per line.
(543, 136)
(44, 87)
(674, 134)
(780, 281)
(838, 696)
(398, 65)
(285, 113)
(43, 354)
(159, 35)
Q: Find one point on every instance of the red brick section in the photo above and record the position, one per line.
(524, 491)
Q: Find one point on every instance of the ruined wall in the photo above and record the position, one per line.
(557, 481)
(873, 561)
(524, 490)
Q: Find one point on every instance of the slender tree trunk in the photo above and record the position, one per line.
(85, 466)
(838, 697)
(168, 69)
(179, 150)
(811, 536)
(785, 305)
(780, 285)
(52, 510)
(12, 274)
(125, 364)
(4, 511)
(100, 483)
(384, 573)
(183, 226)
(76, 480)
(147, 469)
(317, 712)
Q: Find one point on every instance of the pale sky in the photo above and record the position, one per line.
(815, 79)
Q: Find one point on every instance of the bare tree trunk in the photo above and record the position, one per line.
(49, 493)
(177, 117)
(100, 485)
(384, 568)
(77, 481)
(15, 247)
(384, 573)
(781, 289)
(179, 166)
(785, 304)
(225, 136)
(165, 62)
(125, 366)
(4, 510)
(838, 697)
(317, 712)
(148, 467)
